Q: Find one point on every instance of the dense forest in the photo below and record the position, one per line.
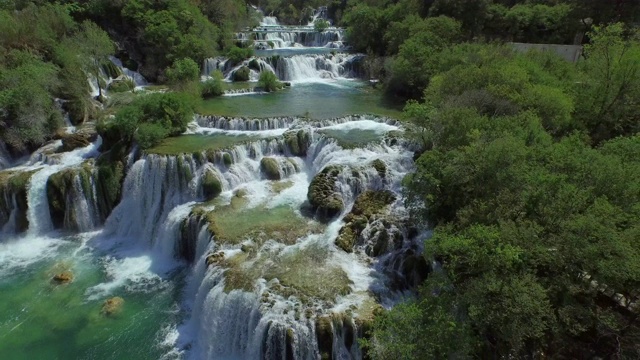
(528, 170)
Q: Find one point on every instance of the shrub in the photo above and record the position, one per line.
(183, 71)
(150, 134)
(212, 87)
(236, 54)
(122, 85)
(320, 25)
(269, 82)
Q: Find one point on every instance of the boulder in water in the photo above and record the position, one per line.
(241, 74)
(324, 335)
(298, 142)
(211, 185)
(270, 168)
(367, 207)
(380, 167)
(215, 258)
(74, 141)
(112, 306)
(64, 277)
(322, 196)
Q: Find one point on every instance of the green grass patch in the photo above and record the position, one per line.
(303, 273)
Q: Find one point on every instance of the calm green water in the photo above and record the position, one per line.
(43, 320)
(317, 100)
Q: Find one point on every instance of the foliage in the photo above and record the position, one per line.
(45, 56)
(150, 118)
(242, 74)
(183, 72)
(320, 25)
(269, 81)
(236, 55)
(214, 86)
(534, 229)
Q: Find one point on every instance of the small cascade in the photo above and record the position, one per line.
(133, 75)
(152, 188)
(5, 157)
(269, 21)
(245, 124)
(309, 67)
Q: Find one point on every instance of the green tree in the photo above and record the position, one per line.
(182, 72)
(320, 25)
(610, 91)
(95, 45)
(269, 81)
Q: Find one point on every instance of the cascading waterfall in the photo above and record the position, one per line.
(259, 297)
(134, 75)
(261, 323)
(297, 68)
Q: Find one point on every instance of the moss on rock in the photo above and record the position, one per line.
(322, 194)
(64, 277)
(227, 159)
(211, 185)
(13, 188)
(241, 74)
(381, 167)
(122, 85)
(324, 335)
(270, 168)
(112, 306)
(298, 142)
(367, 205)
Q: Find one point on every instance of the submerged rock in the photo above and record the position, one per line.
(112, 306)
(63, 277)
(322, 195)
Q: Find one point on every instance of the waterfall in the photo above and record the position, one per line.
(134, 75)
(153, 187)
(244, 124)
(38, 213)
(269, 21)
(310, 67)
(5, 157)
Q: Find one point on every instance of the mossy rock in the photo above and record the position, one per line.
(109, 179)
(270, 168)
(254, 64)
(227, 159)
(298, 142)
(211, 185)
(366, 207)
(241, 74)
(346, 239)
(75, 141)
(215, 258)
(112, 306)
(13, 187)
(322, 194)
(324, 336)
(58, 187)
(372, 202)
(381, 167)
(122, 85)
(111, 70)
